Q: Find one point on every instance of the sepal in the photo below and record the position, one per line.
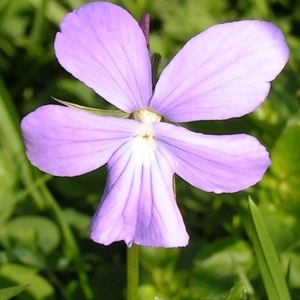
(96, 111)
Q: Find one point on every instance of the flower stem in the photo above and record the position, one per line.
(132, 272)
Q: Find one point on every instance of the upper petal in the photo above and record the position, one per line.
(221, 73)
(67, 142)
(138, 204)
(228, 163)
(103, 46)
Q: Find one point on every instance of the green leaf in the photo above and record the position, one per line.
(286, 153)
(39, 287)
(12, 291)
(219, 265)
(151, 258)
(268, 263)
(96, 111)
(34, 232)
(54, 12)
(77, 219)
(285, 167)
(28, 257)
(238, 292)
(291, 262)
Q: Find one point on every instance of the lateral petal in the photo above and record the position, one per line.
(103, 46)
(220, 164)
(63, 141)
(138, 204)
(221, 73)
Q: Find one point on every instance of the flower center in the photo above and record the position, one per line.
(146, 115)
(143, 147)
(144, 143)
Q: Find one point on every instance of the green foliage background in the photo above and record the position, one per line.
(44, 238)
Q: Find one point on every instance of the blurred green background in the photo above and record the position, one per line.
(44, 221)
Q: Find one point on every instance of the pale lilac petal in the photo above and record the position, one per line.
(221, 73)
(67, 142)
(103, 46)
(228, 163)
(138, 204)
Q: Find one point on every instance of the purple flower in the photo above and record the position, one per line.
(221, 73)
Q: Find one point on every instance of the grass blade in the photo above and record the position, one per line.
(11, 292)
(268, 263)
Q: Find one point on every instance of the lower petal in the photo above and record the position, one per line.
(219, 164)
(138, 204)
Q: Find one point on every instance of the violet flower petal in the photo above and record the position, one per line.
(221, 73)
(138, 204)
(103, 46)
(227, 163)
(67, 142)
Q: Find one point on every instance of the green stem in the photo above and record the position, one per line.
(132, 272)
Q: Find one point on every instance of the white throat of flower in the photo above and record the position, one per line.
(146, 116)
(144, 142)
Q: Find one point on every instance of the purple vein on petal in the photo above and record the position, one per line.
(205, 163)
(72, 142)
(110, 54)
(116, 65)
(202, 80)
(228, 78)
(105, 68)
